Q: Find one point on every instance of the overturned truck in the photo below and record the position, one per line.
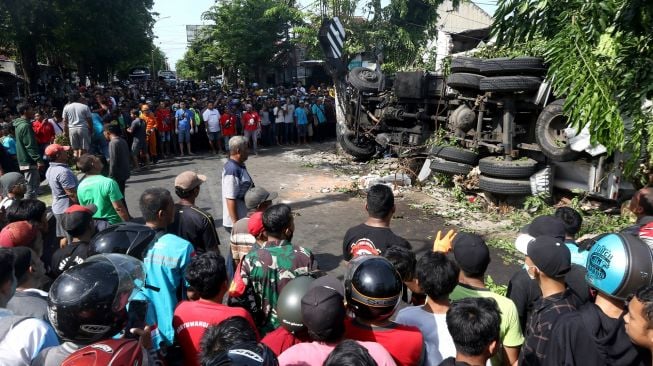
(495, 114)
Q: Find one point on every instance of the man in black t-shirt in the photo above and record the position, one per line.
(77, 221)
(374, 235)
(192, 223)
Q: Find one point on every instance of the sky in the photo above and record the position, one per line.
(170, 28)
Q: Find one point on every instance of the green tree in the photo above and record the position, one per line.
(26, 25)
(94, 37)
(599, 55)
(399, 30)
(97, 35)
(247, 35)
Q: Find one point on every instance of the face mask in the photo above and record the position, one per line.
(526, 268)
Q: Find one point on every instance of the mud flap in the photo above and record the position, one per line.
(542, 183)
(425, 172)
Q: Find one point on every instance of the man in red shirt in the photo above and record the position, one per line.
(251, 124)
(228, 126)
(373, 303)
(163, 123)
(207, 275)
(43, 131)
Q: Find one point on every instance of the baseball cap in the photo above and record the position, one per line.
(189, 180)
(323, 307)
(257, 195)
(18, 234)
(471, 253)
(541, 225)
(550, 255)
(77, 216)
(54, 149)
(255, 224)
(9, 180)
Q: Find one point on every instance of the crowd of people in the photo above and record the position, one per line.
(100, 289)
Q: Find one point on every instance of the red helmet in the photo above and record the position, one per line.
(125, 352)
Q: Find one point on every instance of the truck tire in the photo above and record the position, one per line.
(496, 167)
(364, 79)
(361, 149)
(462, 80)
(504, 66)
(508, 187)
(440, 165)
(549, 133)
(466, 64)
(455, 154)
(510, 83)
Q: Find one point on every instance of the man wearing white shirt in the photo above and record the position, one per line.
(279, 121)
(289, 120)
(212, 118)
(21, 339)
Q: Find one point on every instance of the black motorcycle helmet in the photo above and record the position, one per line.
(87, 303)
(124, 238)
(372, 287)
(289, 304)
(244, 354)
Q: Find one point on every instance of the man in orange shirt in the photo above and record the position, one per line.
(150, 131)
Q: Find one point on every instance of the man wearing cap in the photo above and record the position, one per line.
(251, 124)
(323, 314)
(257, 199)
(13, 189)
(473, 257)
(547, 262)
(63, 184)
(78, 222)
(22, 234)
(27, 150)
(190, 222)
(521, 289)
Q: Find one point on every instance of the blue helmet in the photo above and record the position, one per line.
(619, 264)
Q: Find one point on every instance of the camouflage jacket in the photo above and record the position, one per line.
(266, 271)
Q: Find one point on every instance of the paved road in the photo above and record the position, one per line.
(322, 218)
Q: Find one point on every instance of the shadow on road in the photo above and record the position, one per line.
(151, 178)
(327, 262)
(340, 197)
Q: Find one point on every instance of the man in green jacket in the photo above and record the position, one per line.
(27, 150)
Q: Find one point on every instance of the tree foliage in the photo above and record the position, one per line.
(599, 54)
(246, 36)
(96, 38)
(399, 30)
